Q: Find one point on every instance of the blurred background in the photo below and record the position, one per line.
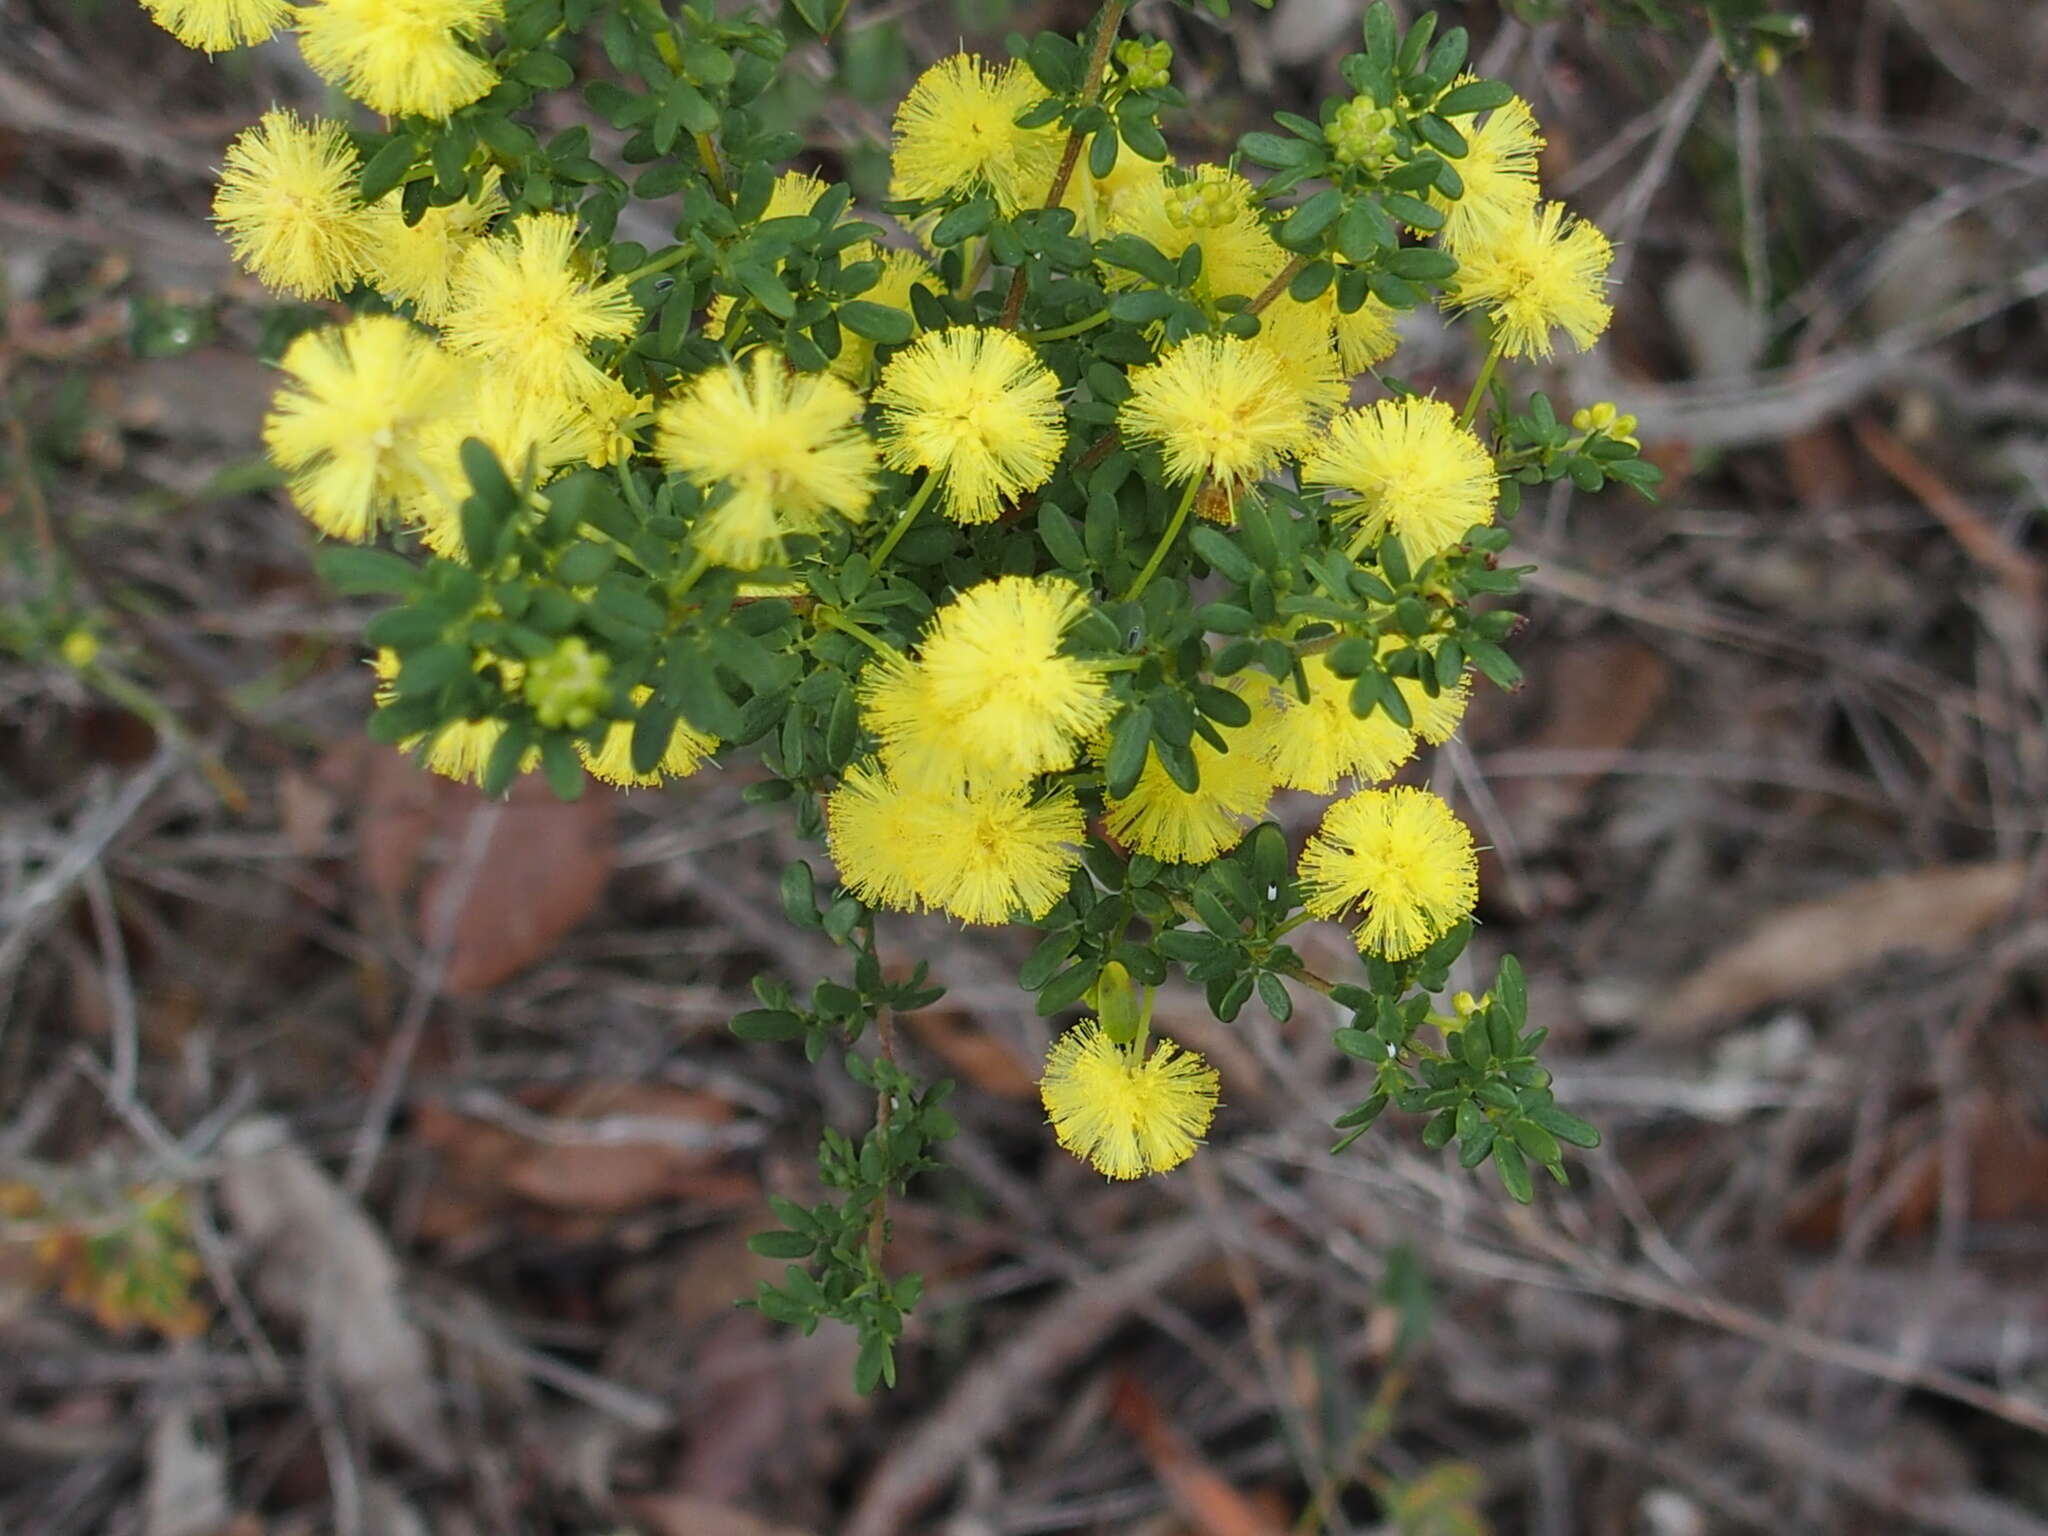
(1765, 827)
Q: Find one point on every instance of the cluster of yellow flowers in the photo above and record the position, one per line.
(990, 732)
(394, 56)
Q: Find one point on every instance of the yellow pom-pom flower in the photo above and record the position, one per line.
(974, 406)
(461, 749)
(1409, 467)
(901, 272)
(1312, 744)
(213, 26)
(1301, 338)
(1126, 1113)
(528, 306)
(1183, 826)
(288, 207)
(957, 135)
(349, 426)
(982, 855)
(401, 57)
(1210, 206)
(415, 264)
(1218, 408)
(527, 429)
(612, 760)
(1537, 274)
(1397, 858)
(785, 450)
(991, 700)
(1499, 172)
(1365, 336)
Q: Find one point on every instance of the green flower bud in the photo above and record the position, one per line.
(567, 686)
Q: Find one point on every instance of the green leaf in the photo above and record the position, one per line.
(1223, 555)
(1128, 743)
(1102, 153)
(1306, 224)
(769, 1024)
(964, 222)
(1277, 152)
(1420, 264)
(1473, 96)
(1566, 1128)
(388, 166)
(1514, 1172)
(781, 1245)
(877, 322)
(1511, 991)
(1274, 996)
(1061, 538)
(357, 571)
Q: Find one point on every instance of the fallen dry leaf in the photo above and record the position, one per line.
(647, 1162)
(985, 1061)
(1803, 949)
(1602, 693)
(319, 1262)
(683, 1514)
(1201, 1495)
(542, 871)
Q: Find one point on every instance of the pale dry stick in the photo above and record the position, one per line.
(1749, 161)
(1070, 1325)
(39, 902)
(636, 1410)
(344, 1486)
(1471, 777)
(1873, 1481)
(1622, 218)
(419, 1004)
(125, 1053)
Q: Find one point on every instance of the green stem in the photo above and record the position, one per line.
(697, 568)
(707, 155)
(1062, 332)
(1180, 517)
(675, 255)
(1479, 386)
(910, 511)
(831, 618)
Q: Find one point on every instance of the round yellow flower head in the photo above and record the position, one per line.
(1193, 826)
(1499, 172)
(1301, 338)
(1311, 745)
(901, 272)
(1212, 207)
(974, 405)
(1535, 274)
(1365, 336)
(401, 57)
(612, 760)
(527, 305)
(982, 855)
(1401, 860)
(785, 449)
(1406, 466)
(991, 699)
(1436, 719)
(957, 135)
(348, 426)
(214, 26)
(462, 749)
(288, 208)
(415, 264)
(542, 429)
(1126, 1113)
(1218, 408)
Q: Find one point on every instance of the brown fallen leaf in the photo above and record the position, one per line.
(683, 1514)
(986, 1062)
(319, 1262)
(1803, 949)
(1200, 1494)
(1602, 692)
(612, 1176)
(541, 873)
